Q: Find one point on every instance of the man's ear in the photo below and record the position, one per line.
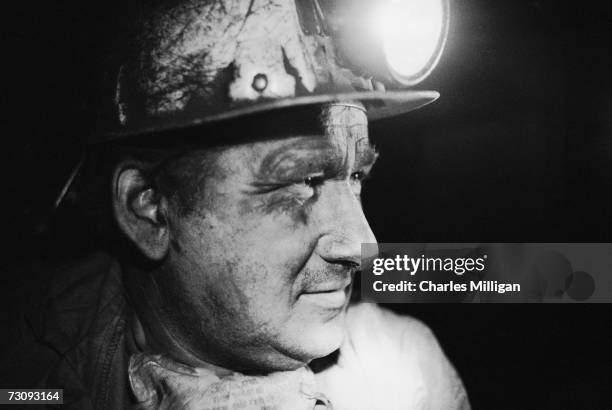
(140, 211)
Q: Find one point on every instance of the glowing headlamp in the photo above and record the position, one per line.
(397, 42)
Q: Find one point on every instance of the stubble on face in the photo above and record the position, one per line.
(249, 253)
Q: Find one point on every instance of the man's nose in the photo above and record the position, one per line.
(342, 224)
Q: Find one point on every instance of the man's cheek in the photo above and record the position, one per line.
(270, 284)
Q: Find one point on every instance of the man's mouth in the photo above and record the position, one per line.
(328, 296)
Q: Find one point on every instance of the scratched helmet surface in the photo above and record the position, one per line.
(199, 61)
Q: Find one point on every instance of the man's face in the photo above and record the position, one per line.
(259, 275)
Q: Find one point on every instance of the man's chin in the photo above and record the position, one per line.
(316, 339)
(296, 352)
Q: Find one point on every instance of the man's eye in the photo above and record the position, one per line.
(313, 181)
(358, 176)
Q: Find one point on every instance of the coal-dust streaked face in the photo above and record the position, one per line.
(264, 266)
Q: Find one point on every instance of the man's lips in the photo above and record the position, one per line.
(330, 296)
(328, 287)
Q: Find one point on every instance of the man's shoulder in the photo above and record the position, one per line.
(378, 335)
(70, 325)
(391, 361)
(369, 320)
(65, 305)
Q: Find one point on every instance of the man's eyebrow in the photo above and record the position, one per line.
(302, 156)
(307, 156)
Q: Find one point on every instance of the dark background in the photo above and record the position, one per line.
(519, 148)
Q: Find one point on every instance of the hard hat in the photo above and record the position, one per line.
(193, 62)
(198, 61)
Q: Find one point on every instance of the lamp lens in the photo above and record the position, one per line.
(411, 33)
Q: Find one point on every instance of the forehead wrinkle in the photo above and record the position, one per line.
(333, 125)
(347, 138)
(343, 115)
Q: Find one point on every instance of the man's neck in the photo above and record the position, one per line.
(166, 344)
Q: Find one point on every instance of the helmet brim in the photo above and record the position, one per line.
(378, 104)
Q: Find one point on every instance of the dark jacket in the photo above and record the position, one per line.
(71, 335)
